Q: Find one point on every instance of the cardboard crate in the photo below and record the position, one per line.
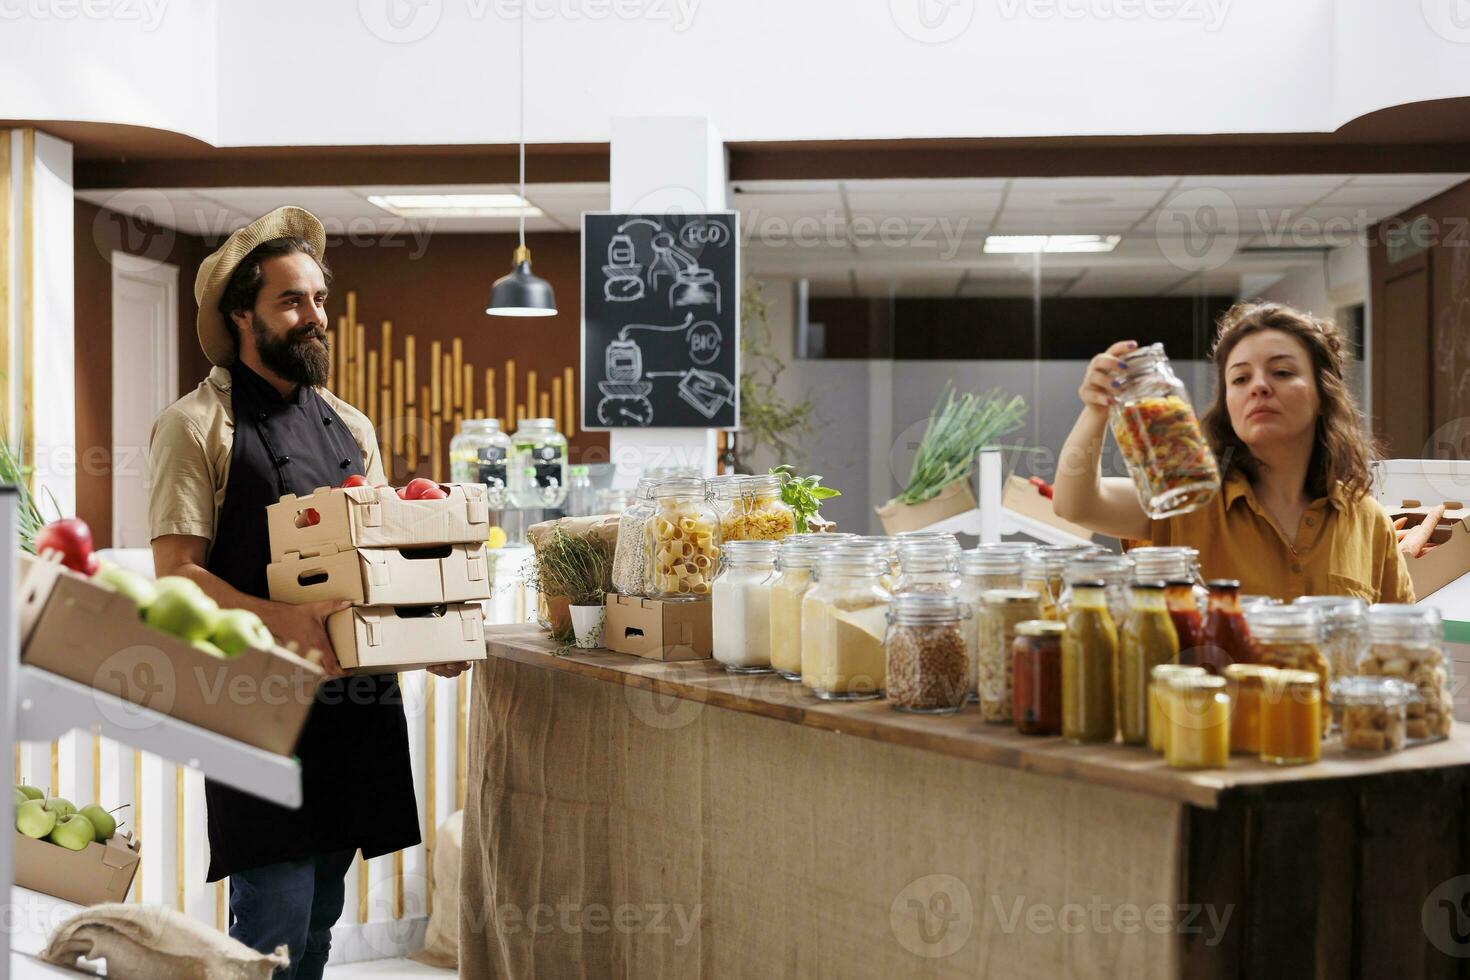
(1450, 556)
(955, 498)
(331, 520)
(658, 630)
(97, 873)
(82, 630)
(385, 639)
(424, 575)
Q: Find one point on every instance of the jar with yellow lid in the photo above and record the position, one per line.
(1160, 705)
(1244, 683)
(1291, 718)
(1199, 723)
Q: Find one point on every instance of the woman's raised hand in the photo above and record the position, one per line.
(1101, 381)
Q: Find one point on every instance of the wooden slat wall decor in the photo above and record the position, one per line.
(416, 413)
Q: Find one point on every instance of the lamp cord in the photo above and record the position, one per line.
(521, 122)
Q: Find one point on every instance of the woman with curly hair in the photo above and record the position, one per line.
(1293, 516)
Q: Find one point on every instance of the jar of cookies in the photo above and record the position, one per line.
(1407, 642)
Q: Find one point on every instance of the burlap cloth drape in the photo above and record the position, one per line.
(610, 832)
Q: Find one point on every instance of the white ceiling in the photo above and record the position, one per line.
(918, 237)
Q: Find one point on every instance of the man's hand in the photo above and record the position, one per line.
(449, 670)
(1414, 541)
(302, 628)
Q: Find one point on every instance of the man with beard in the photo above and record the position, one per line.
(258, 427)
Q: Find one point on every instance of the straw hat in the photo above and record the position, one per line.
(215, 271)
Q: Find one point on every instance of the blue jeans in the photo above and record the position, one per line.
(295, 904)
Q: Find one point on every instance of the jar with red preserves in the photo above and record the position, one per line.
(1037, 677)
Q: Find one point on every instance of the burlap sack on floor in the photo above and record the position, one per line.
(150, 942)
(441, 941)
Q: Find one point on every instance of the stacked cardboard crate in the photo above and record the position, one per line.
(416, 571)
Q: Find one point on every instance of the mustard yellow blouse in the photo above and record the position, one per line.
(1343, 547)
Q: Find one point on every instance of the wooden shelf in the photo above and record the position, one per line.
(963, 734)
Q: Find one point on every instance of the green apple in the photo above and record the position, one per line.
(61, 806)
(238, 629)
(204, 646)
(130, 584)
(103, 822)
(31, 791)
(20, 796)
(182, 608)
(34, 820)
(73, 832)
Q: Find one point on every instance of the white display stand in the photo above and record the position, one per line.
(36, 705)
(991, 520)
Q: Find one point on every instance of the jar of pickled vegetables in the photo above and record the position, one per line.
(740, 607)
(927, 668)
(1114, 571)
(1037, 677)
(1160, 703)
(754, 510)
(794, 560)
(1042, 572)
(1407, 642)
(1148, 640)
(1291, 717)
(1290, 638)
(1199, 723)
(683, 541)
(1172, 466)
(1002, 610)
(1245, 685)
(980, 571)
(1089, 663)
(844, 617)
(630, 554)
(928, 565)
(1373, 711)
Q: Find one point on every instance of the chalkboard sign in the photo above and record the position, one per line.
(660, 320)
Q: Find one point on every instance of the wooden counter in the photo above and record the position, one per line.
(596, 775)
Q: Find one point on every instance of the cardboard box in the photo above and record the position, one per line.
(331, 520)
(658, 630)
(385, 639)
(97, 873)
(1023, 498)
(385, 576)
(953, 499)
(82, 630)
(1450, 556)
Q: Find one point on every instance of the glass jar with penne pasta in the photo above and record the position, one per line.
(683, 541)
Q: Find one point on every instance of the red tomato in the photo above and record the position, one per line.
(433, 493)
(356, 480)
(402, 493)
(70, 538)
(417, 487)
(308, 518)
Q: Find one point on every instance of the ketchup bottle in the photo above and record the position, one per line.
(1225, 638)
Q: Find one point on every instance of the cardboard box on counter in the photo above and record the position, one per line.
(423, 575)
(84, 631)
(1450, 556)
(331, 520)
(658, 630)
(385, 639)
(953, 499)
(97, 873)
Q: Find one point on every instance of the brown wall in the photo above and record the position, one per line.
(1421, 333)
(99, 232)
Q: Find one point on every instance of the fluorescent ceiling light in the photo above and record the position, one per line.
(1050, 243)
(456, 205)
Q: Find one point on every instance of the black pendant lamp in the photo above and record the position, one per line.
(522, 292)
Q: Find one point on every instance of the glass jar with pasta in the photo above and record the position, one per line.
(751, 509)
(630, 554)
(1407, 642)
(1172, 466)
(683, 541)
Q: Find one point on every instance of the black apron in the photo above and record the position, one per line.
(356, 780)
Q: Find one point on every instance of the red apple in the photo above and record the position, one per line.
(355, 480)
(433, 493)
(402, 493)
(418, 487)
(70, 538)
(308, 518)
